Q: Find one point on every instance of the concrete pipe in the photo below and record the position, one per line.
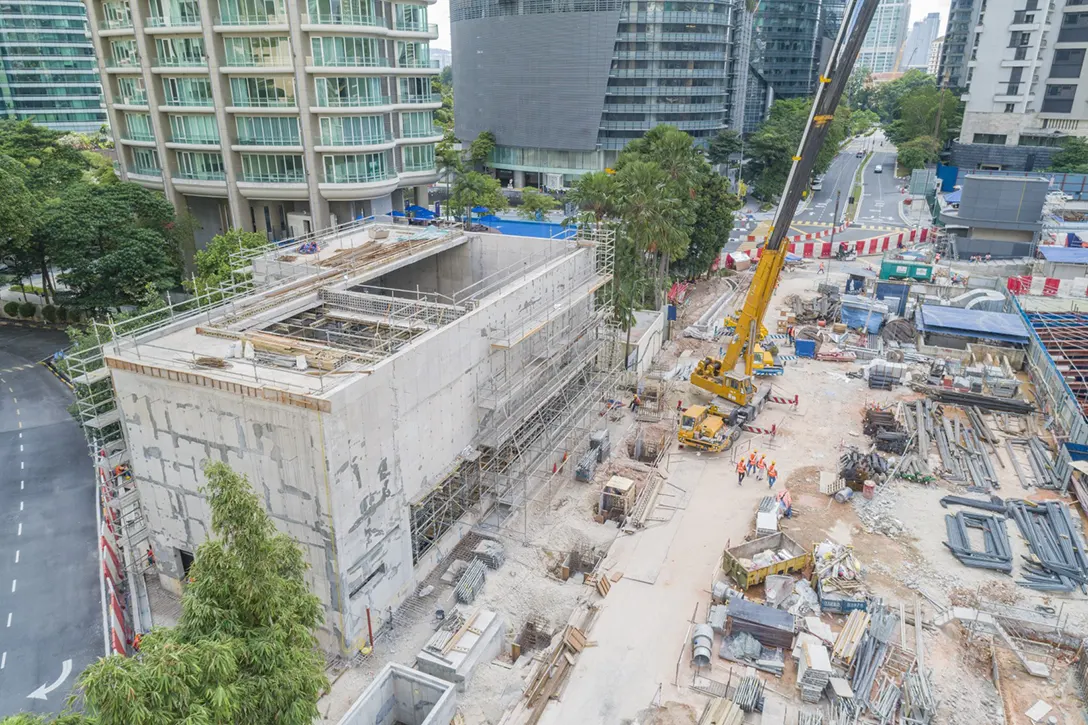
(702, 644)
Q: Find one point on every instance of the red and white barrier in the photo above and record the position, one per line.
(807, 236)
(1048, 286)
(862, 247)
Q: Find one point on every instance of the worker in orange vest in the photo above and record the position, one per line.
(741, 468)
(761, 466)
(785, 501)
(772, 475)
(752, 462)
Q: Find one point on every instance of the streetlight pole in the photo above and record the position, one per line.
(834, 223)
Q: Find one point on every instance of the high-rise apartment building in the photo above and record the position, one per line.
(881, 49)
(1025, 88)
(916, 50)
(933, 64)
(48, 72)
(565, 85)
(787, 39)
(279, 116)
(958, 35)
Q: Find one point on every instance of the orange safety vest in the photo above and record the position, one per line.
(752, 458)
(762, 463)
(740, 466)
(772, 472)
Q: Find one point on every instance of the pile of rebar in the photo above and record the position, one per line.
(844, 712)
(810, 718)
(919, 705)
(749, 694)
(966, 399)
(872, 651)
(1061, 564)
(963, 455)
(997, 556)
(1039, 460)
(471, 582)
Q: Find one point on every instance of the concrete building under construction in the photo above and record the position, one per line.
(384, 387)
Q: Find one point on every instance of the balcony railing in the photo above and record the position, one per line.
(202, 175)
(343, 19)
(263, 102)
(404, 62)
(293, 177)
(365, 140)
(430, 28)
(354, 61)
(172, 21)
(353, 102)
(356, 177)
(194, 138)
(130, 62)
(178, 61)
(137, 100)
(419, 98)
(413, 168)
(115, 24)
(145, 170)
(420, 133)
(189, 102)
(269, 141)
(251, 20)
(138, 136)
(243, 61)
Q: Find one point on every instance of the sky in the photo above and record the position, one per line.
(440, 13)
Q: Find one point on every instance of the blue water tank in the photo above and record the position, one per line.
(805, 348)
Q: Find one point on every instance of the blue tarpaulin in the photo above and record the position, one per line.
(953, 197)
(959, 322)
(419, 212)
(480, 210)
(863, 313)
(1064, 255)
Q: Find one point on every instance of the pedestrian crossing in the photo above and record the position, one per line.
(878, 227)
(27, 366)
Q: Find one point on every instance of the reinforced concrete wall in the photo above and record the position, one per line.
(340, 478)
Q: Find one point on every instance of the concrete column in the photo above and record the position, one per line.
(422, 196)
(238, 206)
(155, 96)
(308, 126)
(519, 179)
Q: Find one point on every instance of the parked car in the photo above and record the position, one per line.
(818, 183)
(878, 169)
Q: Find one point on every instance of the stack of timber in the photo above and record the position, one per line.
(552, 673)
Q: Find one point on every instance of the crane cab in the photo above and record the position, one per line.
(699, 427)
(734, 387)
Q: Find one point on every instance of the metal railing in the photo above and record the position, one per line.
(242, 19)
(343, 140)
(356, 177)
(430, 28)
(115, 24)
(360, 102)
(342, 19)
(171, 21)
(263, 102)
(145, 171)
(296, 177)
(403, 62)
(178, 61)
(202, 175)
(355, 61)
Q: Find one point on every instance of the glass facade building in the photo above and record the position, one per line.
(280, 116)
(48, 71)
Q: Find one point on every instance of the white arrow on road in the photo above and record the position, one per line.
(41, 692)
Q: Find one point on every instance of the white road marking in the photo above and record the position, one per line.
(20, 447)
(20, 424)
(16, 556)
(20, 505)
(9, 619)
(41, 692)
(21, 484)
(20, 529)
(16, 400)
(20, 435)
(13, 585)
(22, 464)
(17, 411)
(3, 660)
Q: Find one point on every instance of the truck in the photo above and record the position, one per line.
(752, 562)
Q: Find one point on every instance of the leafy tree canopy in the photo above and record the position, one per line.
(52, 167)
(714, 208)
(594, 193)
(776, 141)
(481, 147)
(213, 263)
(724, 144)
(918, 152)
(474, 189)
(534, 204)
(1073, 156)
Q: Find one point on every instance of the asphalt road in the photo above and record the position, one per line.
(50, 597)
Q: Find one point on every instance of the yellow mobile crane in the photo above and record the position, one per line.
(719, 376)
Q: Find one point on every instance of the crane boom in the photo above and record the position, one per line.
(717, 376)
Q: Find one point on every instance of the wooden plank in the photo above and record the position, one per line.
(603, 585)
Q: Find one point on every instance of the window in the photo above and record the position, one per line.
(1022, 17)
(418, 124)
(138, 127)
(990, 138)
(180, 52)
(273, 168)
(251, 51)
(131, 90)
(346, 51)
(413, 55)
(200, 165)
(268, 130)
(146, 161)
(1010, 108)
(251, 12)
(342, 12)
(342, 92)
(410, 17)
(419, 158)
(1074, 28)
(352, 130)
(123, 53)
(116, 15)
(355, 168)
(1067, 63)
(1049, 141)
(193, 129)
(1059, 98)
(188, 91)
(415, 90)
(262, 91)
(164, 13)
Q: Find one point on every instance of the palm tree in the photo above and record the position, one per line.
(449, 162)
(595, 193)
(653, 218)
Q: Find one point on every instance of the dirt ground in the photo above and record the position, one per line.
(639, 672)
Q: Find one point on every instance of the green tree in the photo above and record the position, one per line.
(448, 161)
(918, 152)
(714, 208)
(474, 189)
(534, 204)
(887, 96)
(19, 210)
(481, 148)
(917, 114)
(446, 76)
(675, 153)
(1073, 156)
(724, 144)
(112, 241)
(652, 217)
(244, 648)
(859, 88)
(213, 263)
(595, 194)
(52, 167)
(863, 121)
(632, 286)
(775, 142)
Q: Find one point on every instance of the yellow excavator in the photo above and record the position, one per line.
(720, 376)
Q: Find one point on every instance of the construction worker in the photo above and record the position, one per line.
(752, 462)
(772, 475)
(635, 403)
(821, 270)
(761, 466)
(790, 334)
(785, 502)
(741, 468)
(150, 557)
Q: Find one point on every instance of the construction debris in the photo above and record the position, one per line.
(856, 467)
(997, 556)
(1061, 563)
(772, 627)
(846, 644)
(838, 576)
(721, 711)
(813, 671)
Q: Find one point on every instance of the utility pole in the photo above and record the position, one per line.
(834, 223)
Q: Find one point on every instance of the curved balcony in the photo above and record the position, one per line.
(168, 24)
(376, 104)
(110, 28)
(361, 186)
(352, 145)
(414, 31)
(417, 178)
(251, 24)
(146, 176)
(274, 186)
(201, 183)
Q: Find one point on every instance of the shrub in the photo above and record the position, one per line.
(11, 309)
(49, 313)
(62, 314)
(28, 288)
(27, 309)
